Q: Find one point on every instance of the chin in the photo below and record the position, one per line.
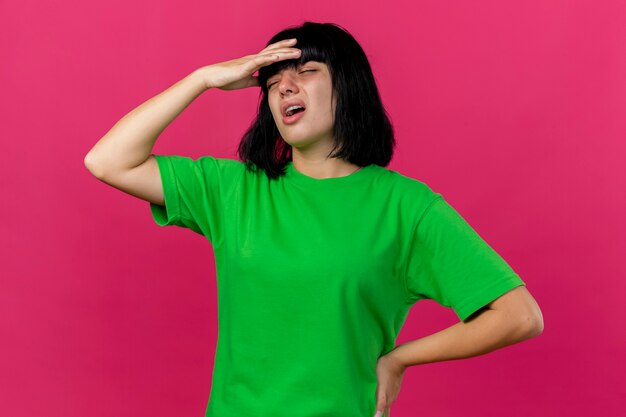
(298, 142)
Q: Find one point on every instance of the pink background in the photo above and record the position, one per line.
(514, 112)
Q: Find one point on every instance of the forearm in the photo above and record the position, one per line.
(487, 332)
(130, 141)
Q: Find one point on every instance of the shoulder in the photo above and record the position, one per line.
(222, 163)
(222, 168)
(413, 190)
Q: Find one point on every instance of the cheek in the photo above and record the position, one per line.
(273, 109)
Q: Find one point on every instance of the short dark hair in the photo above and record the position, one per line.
(362, 130)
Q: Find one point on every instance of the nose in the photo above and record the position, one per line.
(287, 83)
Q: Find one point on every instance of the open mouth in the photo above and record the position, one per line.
(293, 114)
(294, 110)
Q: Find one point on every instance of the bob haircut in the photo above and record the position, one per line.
(362, 130)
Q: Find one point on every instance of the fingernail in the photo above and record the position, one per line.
(378, 413)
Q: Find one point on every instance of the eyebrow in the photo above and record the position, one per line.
(298, 66)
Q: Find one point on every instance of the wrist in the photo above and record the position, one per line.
(202, 74)
(399, 360)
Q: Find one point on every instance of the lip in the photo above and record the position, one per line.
(286, 104)
(293, 118)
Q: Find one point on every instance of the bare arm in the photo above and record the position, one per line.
(123, 157)
(510, 319)
(130, 141)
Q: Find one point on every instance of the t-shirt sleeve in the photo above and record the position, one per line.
(449, 262)
(191, 190)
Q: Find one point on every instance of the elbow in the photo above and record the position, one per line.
(532, 324)
(88, 161)
(538, 329)
(91, 166)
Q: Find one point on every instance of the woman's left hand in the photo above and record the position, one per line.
(389, 372)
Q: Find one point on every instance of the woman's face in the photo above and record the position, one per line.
(311, 85)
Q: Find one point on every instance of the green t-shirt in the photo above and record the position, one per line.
(315, 277)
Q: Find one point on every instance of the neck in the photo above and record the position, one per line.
(324, 167)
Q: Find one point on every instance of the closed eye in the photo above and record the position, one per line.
(310, 70)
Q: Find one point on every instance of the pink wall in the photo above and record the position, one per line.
(515, 112)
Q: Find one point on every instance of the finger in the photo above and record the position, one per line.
(282, 52)
(279, 44)
(266, 59)
(388, 412)
(261, 60)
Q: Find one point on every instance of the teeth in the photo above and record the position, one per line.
(289, 110)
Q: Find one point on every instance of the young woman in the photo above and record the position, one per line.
(320, 250)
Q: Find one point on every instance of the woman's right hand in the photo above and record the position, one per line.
(237, 73)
